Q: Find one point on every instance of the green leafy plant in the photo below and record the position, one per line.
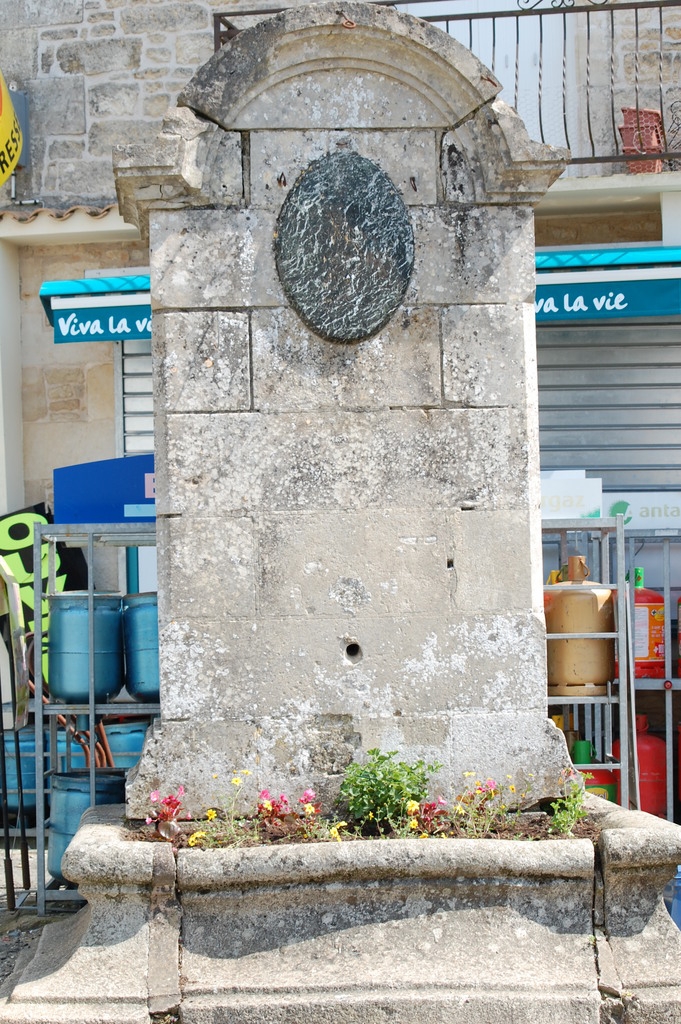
(568, 809)
(379, 790)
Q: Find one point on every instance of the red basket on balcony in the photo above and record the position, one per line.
(642, 133)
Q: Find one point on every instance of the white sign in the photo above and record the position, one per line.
(566, 496)
(645, 510)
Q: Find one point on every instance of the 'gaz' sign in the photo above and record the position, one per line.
(10, 134)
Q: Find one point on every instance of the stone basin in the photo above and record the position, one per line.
(451, 930)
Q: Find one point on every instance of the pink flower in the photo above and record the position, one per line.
(154, 796)
(149, 821)
(308, 797)
(265, 794)
(180, 790)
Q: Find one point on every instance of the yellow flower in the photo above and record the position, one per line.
(460, 809)
(236, 781)
(413, 823)
(511, 789)
(215, 775)
(211, 814)
(245, 772)
(413, 807)
(467, 775)
(195, 838)
(266, 805)
(371, 815)
(309, 810)
(424, 835)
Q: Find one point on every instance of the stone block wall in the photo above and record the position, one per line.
(98, 73)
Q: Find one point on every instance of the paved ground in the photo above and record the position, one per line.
(21, 927)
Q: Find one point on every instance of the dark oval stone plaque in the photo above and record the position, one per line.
(344, 247)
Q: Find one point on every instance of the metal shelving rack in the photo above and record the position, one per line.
(596, 539)
(126, 535)
(666, 539)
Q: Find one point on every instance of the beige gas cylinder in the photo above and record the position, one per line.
(579, 667)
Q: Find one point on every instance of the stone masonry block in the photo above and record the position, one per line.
(202, 361)
(295, 369)
(402, 458)
(113, 99)
(26, 14)
(405, 156)
(492, 562)
(207, 567)
(143, 19)
(213, 258)
(109, 132)
(99, 56)
(472, 255)
(483, 355)
(59, 104)
(19, 52)
(357, 665)
(372, 563)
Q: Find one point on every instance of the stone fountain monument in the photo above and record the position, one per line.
(340, 222)
(339, 216)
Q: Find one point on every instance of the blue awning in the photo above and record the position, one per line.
(612, 256)
(614, 283)
(98, 308)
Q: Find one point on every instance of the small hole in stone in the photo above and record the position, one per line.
(353, 652)
(450, 563)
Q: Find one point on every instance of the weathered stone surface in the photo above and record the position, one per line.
(402, 458)
(303, 743)
(172, 17)
(486, 354)
(472, 255)
(279, 157)
(189, 158)
(61, 103)
(294, 369)
(111, 99)
(492, 569)
(492, 158)
(202, 361)
(248, 84)
(376, 917)
(344, 247)
(28, 14)
(207, 567)
(404, 670)
(98, 967)
(386, 568)
(83, 57)
(214, 258)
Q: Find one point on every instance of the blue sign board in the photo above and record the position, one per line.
(108, 322)
(599, 300)
(99, 309)
(110, 491)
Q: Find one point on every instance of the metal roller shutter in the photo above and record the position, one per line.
(610, 403)
(137, 398)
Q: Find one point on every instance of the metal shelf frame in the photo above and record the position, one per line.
(599, 540)
(88, 537)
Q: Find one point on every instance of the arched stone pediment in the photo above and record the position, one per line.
(388, 70)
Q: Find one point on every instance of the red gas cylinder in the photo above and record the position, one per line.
(648, 630)
(652, 769)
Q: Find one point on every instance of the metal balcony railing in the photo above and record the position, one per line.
(575, 74)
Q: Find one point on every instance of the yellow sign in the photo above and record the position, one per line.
(10, 134)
